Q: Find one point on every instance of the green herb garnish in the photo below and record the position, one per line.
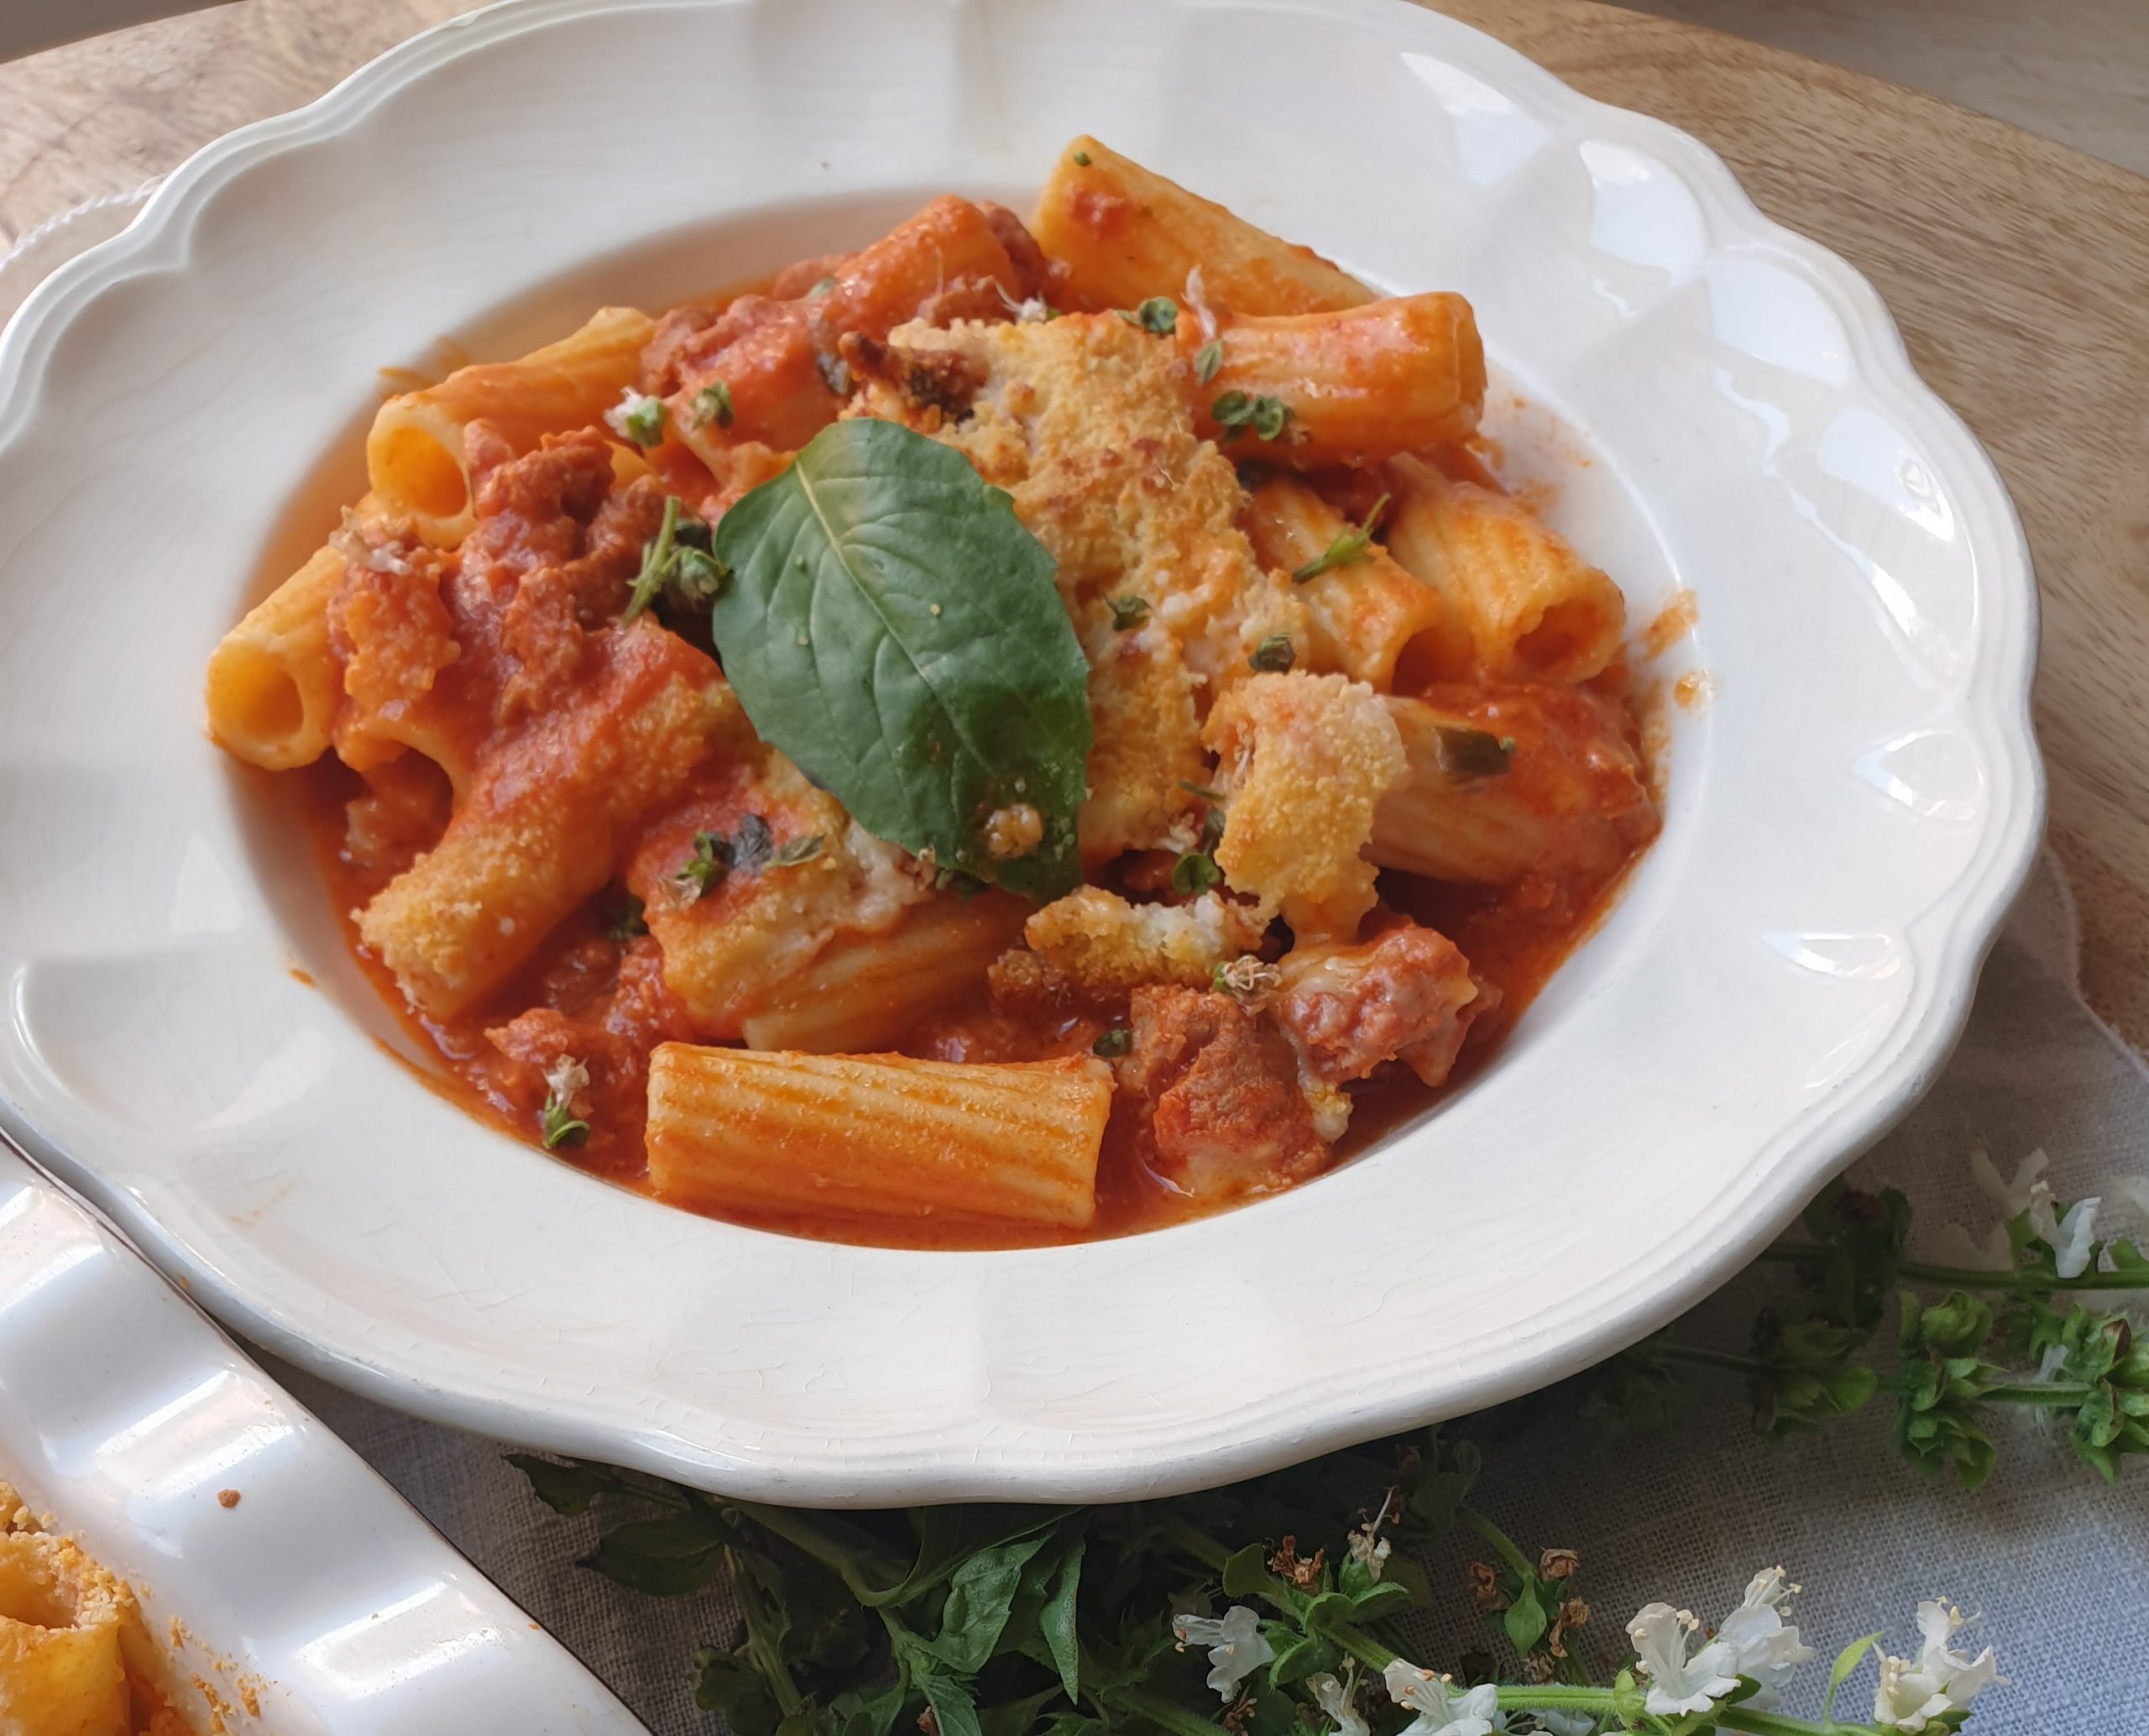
(750, 850)
(564, 1080)
(655, 562)
(820, 286)
(1159, 313)
(835, 375)
(1235, 411)
(1467, 755)
(1350, 547)
(704, 870)
(1195, 873)
(1115, 1042)
(1207, 360)
(676, 561)
(625, 922)
(1274, 654)
(1081, 160)
(943, 680)
(1127, 611)
(713, 404)
(641, 419)
(697, 577)
(559, 1125)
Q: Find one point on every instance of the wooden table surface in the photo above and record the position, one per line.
(2018, 269)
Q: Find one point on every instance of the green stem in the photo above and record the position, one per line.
(1773, 1723)
(768, 1654)
(1972, 1277)
(1548, 1698)
(840, 1556)
(1204, 1548)
(2055, 1397)
(2024, 1392)
(1502, 1545)
(1727, 1359)
(1162, 1712)
(1356, 1643)
(1756, 1722)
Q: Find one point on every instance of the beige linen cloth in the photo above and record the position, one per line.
(2056, 1564)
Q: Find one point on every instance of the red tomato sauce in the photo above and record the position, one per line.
(1515, 937)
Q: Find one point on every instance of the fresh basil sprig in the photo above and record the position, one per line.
(890, 626)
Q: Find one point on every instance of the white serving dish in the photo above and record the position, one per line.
(318, 1597)
(1722, 406)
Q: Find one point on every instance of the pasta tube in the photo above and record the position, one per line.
(1536, 610)
(66, 1626)
(1359, 385)
(783, 380)
(1125, 234)
(867, 991)
(1366, 617)
(274, 682)
(733, 1130)
(413, 455)
(1507, 781)
(542, 827)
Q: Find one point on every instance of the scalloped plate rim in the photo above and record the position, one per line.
(1817, 1147)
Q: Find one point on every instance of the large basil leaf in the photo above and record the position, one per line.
(891, 626)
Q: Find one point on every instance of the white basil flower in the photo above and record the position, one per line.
(1913, 1695)
(1369, 1551)
(2011, 1197)
(1334, 1699)
(1676, 1683)
(567, 1078)
(1236, 1646)
(1763, 1645)
(1565, 1723)
(2068, 1238)
(1442, 1711)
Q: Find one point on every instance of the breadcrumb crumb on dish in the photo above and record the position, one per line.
(1095, 948)
(1305, 760)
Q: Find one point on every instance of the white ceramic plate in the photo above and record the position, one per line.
(1845, 823)
(124, 1414)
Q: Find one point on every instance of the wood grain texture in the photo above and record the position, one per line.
(2077, 71)
(2017, 267)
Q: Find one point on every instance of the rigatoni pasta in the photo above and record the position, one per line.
(1502, 782)
(883, 1135)
(416, 458)
(1124, 233)
(274, 684)
(1367, 618)
(1002, 735)
(1536, 610)
(1350, 387)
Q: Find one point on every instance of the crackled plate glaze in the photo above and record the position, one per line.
(317, 1604)
(1713, 404)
